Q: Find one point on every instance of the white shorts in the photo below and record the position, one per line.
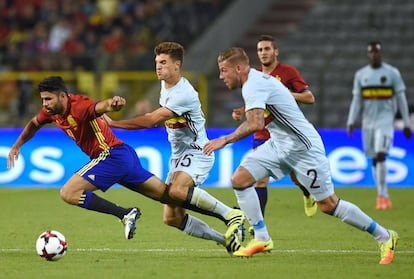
(310, 167)
(375, 141)
(193, 162)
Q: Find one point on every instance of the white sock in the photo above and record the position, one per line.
(198, 228)
(351, 214)
(250, 204)
(380, 178)
(205, 201)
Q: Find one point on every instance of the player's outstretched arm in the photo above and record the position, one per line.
(28, 132)
(148, 120)
(115, 103)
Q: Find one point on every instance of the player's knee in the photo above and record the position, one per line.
(380, 157)
(238, 183)
(294, 179)
(171, 221)
(64, 195)
(177, 193)
(262, 183)
(68, 196)
(325, 209)
(242, 179)
(328, 205)
(167, 220)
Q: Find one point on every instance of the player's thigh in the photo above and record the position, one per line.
(264, 161)
(156, 189)
(179, 184)
(74, 187)
(192, 162)
(313, 172)
(382, 142)
(242, 178)
(116, 165)
(368, 139)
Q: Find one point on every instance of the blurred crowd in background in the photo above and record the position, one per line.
(51, 35)
(324, 39)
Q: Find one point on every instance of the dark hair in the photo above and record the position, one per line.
(173, 49)
(53, 84)
(268, 38)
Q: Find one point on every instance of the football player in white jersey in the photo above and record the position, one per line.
(378, 92)
(180, 110)
(294, 146)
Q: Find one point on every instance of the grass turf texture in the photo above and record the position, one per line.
(318, 247)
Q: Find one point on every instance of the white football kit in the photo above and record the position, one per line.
(294, 145)
(378, 92)
(186, 132)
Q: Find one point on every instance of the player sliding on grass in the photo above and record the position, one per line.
(112, 161)
(294, 146)
(180, 110)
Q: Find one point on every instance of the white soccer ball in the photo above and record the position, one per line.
(51, 245)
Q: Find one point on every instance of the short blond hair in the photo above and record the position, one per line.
(233, 54)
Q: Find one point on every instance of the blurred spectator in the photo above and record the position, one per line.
(91, 31)
(113, 42)
(59, 33)
(90, 35)
(8, 92)
(108, 8)
(25, 90)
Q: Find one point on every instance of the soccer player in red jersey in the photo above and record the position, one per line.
(112, 160)
(268, 52)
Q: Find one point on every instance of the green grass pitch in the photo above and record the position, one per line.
(318, 247)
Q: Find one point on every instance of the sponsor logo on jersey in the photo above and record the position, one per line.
(377, 93)
(176, 122)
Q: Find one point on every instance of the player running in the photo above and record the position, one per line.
(268, 52)
(294, 146)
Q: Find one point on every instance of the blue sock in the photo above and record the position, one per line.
(90, 201)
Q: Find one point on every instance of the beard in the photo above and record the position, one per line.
(56, 110)
(267, 64)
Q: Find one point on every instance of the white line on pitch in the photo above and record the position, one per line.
(313, 251)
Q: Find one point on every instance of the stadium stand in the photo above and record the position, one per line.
(326, 41)
(95, 36)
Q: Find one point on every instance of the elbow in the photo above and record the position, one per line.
(144, 125)
(258, 127)
(148, 125)
(311, 100)
(308, 98)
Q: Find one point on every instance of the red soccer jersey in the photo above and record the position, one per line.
(81, 123)
(292, 79)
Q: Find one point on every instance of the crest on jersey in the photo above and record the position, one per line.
(72, 122)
